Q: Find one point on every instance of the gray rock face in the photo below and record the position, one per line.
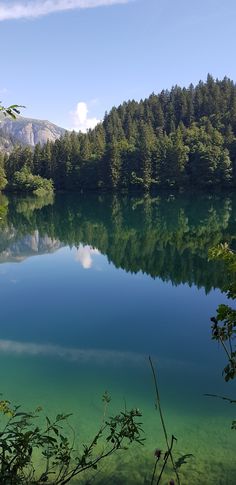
(26, 131)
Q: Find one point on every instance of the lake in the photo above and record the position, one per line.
(91, 285)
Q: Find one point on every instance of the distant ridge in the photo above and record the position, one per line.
(27, 131)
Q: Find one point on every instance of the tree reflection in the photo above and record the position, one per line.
(166, 236)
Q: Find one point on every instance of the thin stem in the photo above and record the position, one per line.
(162, 420)
(230, 346)
(225, 348)
(232, 401)
(165, 461)
(154, 471)
(162, 470)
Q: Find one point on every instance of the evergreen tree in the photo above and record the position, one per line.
(114, 158)
(146, 147)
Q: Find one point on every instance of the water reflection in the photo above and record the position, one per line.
(30, 245)
(102, 357)
(166, 236)
(84, 255)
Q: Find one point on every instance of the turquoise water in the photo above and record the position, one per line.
(90, 286)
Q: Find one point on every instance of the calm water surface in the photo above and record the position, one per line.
(89, 287)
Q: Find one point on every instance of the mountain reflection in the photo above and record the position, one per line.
(30, 245)
(166, 236)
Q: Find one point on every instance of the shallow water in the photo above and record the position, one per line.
(89, 288)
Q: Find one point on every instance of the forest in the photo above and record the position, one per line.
(175, 139)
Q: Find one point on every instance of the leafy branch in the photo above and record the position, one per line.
(21, 436)
(11, 111)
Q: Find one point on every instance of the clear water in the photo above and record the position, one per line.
(90, 286)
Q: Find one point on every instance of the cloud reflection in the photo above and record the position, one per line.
(96, 356)
(84, 255)
(72, 354)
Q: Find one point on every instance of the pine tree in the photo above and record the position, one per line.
(146, 146)
(114, 164)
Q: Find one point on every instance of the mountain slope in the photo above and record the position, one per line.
(27, 131)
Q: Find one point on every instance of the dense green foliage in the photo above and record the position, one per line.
(185, 136)
(25, 181)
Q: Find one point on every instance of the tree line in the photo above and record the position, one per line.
(177, 138)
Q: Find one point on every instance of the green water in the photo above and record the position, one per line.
(89, 287)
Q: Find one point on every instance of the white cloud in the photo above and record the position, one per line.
(84, 256)
(38, 8)
(81, 120)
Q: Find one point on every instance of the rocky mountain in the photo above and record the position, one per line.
(26, 131)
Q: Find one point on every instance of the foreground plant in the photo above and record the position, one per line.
(11, 111)
(224, 323)
(25, 443)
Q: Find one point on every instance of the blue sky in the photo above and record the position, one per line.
(70, 64)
